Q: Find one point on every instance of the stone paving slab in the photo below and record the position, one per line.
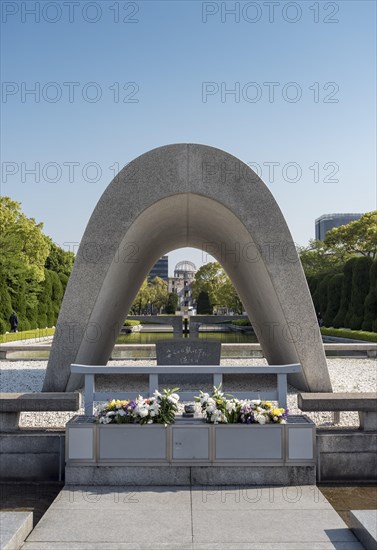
(109, 525)
(97, 498)
(184, 518)
(282, 526)
(193, 546)
(14, 528)
(258, 498)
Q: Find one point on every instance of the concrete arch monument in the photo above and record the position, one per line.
(177, 196)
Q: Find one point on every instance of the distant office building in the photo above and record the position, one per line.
(184, 275)
(329, 221)
(160, 269)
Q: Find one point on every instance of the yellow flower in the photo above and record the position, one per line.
(268, 404)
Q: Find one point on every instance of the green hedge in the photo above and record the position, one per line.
(359, 292)
(352, 334)
(341, 319)
(241, 323)
(370, 304)
(131, 323)
(335, 284)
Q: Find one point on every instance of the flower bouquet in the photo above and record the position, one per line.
(217, 408)
(158, 409)
(220, 409)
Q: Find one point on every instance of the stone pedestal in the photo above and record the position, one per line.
(368, 421)
(9, 421)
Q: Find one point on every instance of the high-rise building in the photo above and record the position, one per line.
(184, 275)
(328, 221)
(160, 269)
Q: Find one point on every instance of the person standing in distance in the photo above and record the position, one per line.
(13, 319)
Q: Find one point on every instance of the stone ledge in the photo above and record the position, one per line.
(364, 525)
(39, 401)
(12, 404)
(15, 527)
(328, 402)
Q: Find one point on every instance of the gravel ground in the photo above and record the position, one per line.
(347, 375)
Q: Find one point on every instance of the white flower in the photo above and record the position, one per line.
(173, 398)
(230, 406)
(157, 394)
(260, 419)
(211, 401)
(218, 416)
(122, 412)
(142, 410)
(256, 401)
(204, 397)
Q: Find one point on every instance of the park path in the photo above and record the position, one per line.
(191, 518)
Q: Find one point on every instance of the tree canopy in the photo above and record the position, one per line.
(33, 270)
(212, 279)
(358, 237)
(316, 259)
(23, 246)
(152, 296)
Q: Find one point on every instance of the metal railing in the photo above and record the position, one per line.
(217, 371)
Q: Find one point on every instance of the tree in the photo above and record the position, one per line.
(203, 304)
(229, 298)
(45, 302)
(59, 260)
(33, 270)
(172, 304)
(23, 252)
(5, 306)
(212, 279)
(141, 300)
(22, 242)
(358, 237)
(317, 259)
(209, 278)
(158, 293)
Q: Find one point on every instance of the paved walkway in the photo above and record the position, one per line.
(196, 518)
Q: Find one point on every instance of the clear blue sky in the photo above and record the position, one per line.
(326, 48)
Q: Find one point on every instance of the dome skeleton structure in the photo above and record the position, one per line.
(184, 275)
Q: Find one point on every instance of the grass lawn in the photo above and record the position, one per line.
(26, 334)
